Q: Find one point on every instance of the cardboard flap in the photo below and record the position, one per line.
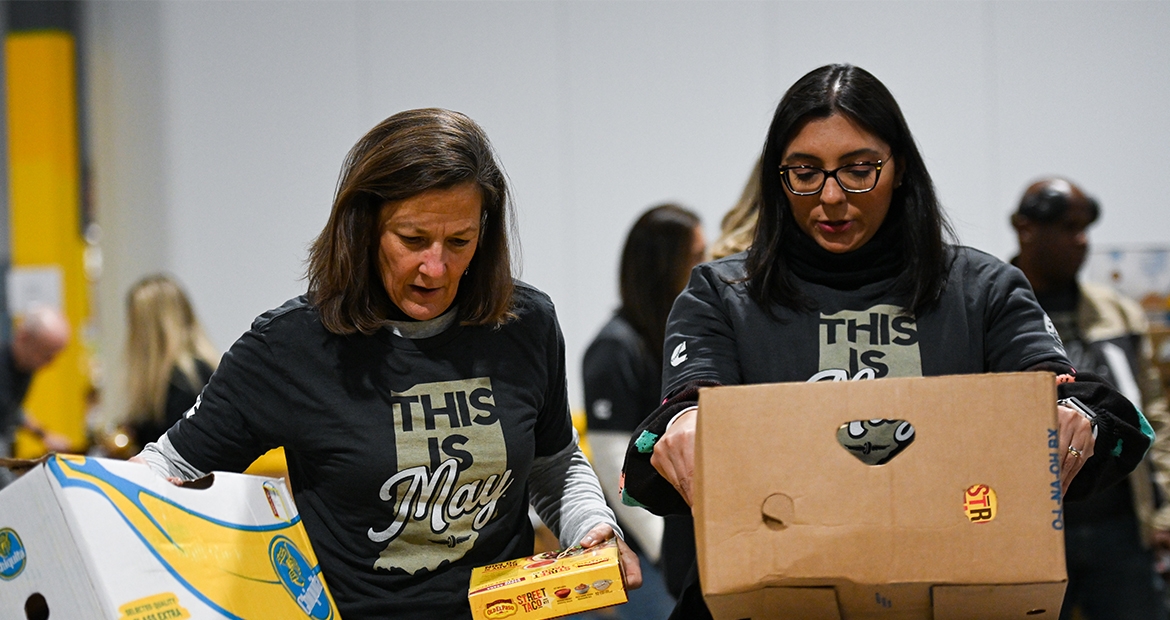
(777, 604)
(19, 466)
(992, 601)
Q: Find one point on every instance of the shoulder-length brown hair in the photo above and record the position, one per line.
(405, 155)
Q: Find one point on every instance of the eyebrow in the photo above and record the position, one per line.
(412, 229)
(846, 156)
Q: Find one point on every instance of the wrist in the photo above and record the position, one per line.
(679, 415)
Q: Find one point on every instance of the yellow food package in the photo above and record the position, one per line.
(548, 585)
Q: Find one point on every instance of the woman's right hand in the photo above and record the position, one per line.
(674, 454)
(141, 461)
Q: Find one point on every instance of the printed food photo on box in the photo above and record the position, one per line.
(548, 585)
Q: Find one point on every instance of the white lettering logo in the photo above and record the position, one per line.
(679, 356)
(431, 492)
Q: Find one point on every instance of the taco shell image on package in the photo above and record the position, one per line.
(100, 539)
(548, 585)
(896, 499)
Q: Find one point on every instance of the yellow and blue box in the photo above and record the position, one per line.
(91, 538)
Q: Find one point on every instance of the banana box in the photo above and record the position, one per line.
(548, 585)
(100, 539)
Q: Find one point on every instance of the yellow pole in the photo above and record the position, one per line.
(44, 210)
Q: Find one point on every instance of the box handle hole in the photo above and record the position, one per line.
(1035, 612)
(779, 511)
(875, 442)
(36, 607)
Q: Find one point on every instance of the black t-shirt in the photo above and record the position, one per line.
(986, 321)
(622, 379)
(409, 459)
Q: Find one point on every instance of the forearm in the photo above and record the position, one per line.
(566, 494)
(643, 485)
(164, 460)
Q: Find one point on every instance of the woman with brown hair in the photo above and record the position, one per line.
(168, 357)
(418, 390)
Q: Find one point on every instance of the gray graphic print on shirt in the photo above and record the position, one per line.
(442, 495)
(868, 344)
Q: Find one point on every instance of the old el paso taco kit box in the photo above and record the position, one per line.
(918, 498)
(100, 539)
(548, 585)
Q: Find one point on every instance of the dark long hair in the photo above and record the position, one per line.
(656, 263)
(405, 155)
(923, 229)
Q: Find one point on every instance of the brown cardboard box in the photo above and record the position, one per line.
(790, 524)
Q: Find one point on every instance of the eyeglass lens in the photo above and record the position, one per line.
(856, 178)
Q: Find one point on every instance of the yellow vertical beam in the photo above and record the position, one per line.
(45, 226)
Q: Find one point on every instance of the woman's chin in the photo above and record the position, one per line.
(424, 311)
(839, 246)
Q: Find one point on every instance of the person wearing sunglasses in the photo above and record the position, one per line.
(853, 274)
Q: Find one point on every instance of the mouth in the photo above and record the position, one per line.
(834, 226)
(425, 291)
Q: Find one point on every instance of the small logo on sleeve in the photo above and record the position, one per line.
(680, 354)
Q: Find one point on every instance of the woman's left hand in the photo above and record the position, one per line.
(631, 567)
(1076, 439)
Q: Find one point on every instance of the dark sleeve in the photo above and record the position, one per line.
(616, 385)
(238, 417)
(641, 484)
(1018, 334)
(700, 352)
(1123, 434)
(554, 424)
(700, 340)
(180, 397)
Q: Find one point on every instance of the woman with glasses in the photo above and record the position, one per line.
(850, 275)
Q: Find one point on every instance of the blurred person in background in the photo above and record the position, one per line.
(168, 357)
(38, 338)
(623, 379)
(850, 229)
(1110, 537)
(418, 390)
(739, 224)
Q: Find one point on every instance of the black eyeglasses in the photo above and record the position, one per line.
(854, 178)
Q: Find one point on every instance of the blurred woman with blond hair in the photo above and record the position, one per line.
(739, 224)
(168, 357)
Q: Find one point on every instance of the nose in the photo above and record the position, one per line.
(434, 261)
(832, 193)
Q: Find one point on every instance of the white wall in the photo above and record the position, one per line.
(220, 127)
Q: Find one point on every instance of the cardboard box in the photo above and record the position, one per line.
(548, 585)
(87, 538)
(965, 522)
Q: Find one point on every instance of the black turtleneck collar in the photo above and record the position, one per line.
(881, 258)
